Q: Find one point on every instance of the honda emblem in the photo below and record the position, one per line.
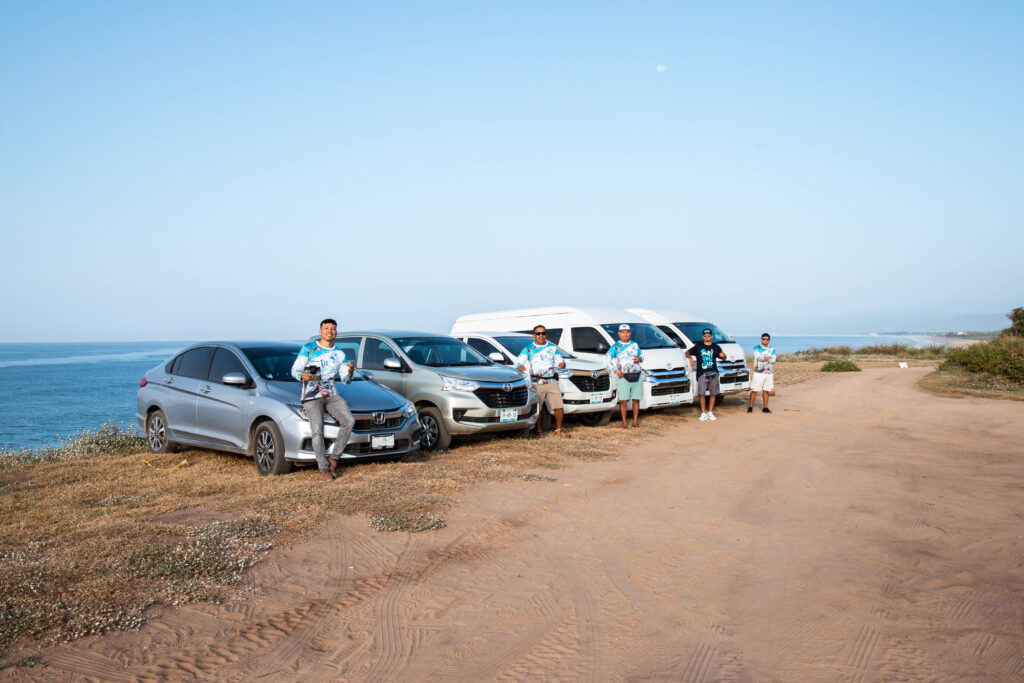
(378, 418)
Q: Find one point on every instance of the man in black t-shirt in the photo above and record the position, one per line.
(706, 355)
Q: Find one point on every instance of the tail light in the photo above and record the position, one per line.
(142, 382)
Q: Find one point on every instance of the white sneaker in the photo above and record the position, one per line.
(703, 417)
(711, 416)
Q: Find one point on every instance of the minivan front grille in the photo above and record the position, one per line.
(497, 397)
(666, 388)
(601, 383)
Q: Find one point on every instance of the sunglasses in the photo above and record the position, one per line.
(540, 334)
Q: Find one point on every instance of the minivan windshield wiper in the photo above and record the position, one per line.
(458, 365)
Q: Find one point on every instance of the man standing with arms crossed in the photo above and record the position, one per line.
(707, 354)
(541, 360)
(624, 360)
(317, 364)
(763, 379)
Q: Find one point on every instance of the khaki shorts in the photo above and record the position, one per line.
(549, 392)
(762, 381)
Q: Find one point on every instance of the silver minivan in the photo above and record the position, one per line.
(455, 390)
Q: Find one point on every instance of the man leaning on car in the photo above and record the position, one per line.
(317, 364)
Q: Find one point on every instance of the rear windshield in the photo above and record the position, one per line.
(694, 331)
(515, 345)
(646, 336)
(438, 352)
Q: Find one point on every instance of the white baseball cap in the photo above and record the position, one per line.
(623, 326)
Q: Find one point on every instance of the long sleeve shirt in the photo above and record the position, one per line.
(764, 358)
(331, 363)
(541, 362)
(623, 357)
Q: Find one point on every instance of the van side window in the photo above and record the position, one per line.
(484, 347)
(196, 362)
(588, 340)
(673, 336)
(554, 334)
(376, 353)
(224, 362)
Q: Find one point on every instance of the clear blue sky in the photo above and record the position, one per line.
(241, 170)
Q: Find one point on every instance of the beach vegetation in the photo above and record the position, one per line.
(840, 366)
(992, 369)
(110, 438)
(873, 352)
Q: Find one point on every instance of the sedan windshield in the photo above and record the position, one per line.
(646, 336)
(274, 363)
(437, 352)
(515, 345)
(694, 332)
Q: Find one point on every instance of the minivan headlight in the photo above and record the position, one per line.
(301, 412)
(453, 384)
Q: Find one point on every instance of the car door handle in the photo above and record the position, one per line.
(205, 389)
(169, 380)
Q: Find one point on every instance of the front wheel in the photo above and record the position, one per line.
(156, 433)
(268, 450)
(596, 419)
(435, 435)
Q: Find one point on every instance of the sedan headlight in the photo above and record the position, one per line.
(301, 412)
(409, 410)
(453, 384)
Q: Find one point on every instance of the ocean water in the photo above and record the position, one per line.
(59, 389)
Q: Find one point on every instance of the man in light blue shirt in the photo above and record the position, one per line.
(763, 379)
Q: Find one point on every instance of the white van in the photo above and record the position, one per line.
(589, 332)
(587, 393)
(685, 330)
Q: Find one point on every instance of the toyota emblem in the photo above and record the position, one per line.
(594, 375)
(507, 387)
(668, 366)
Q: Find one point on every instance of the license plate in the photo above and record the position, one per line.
(675, 399)
(382, 441)
(509, 414)
(739, 387)
(597, 398)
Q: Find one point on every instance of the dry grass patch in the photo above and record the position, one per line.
(956, 381)
(88, 544)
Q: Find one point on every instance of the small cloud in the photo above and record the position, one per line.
(661, 68)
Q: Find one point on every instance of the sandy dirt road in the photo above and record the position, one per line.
(865, 531)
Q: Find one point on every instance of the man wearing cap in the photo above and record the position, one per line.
(706, 354)
(624, 360)
(540, 360)
(763, 379)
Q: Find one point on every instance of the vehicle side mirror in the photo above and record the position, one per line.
(392, 364)
(602, 347)
(497, 357)
(235, 379)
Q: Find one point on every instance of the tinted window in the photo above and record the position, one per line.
(196, 362)
(224, 361)
(439, 352)
(515, 345)
(554, 334)
(694, 332)
(646, 336)
(670, 333)
(484, 347)
(588, 340)
(172, 367)
(376, 353)
(273, 362)
(350, 345)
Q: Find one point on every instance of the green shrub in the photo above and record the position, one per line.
(840, 366)
(1002, 357)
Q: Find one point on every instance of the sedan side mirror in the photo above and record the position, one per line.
(392, 364)
(235, 379)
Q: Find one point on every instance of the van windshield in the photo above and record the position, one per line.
(646, 336)
(693, 332)
(515, 345)
(437, 352)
